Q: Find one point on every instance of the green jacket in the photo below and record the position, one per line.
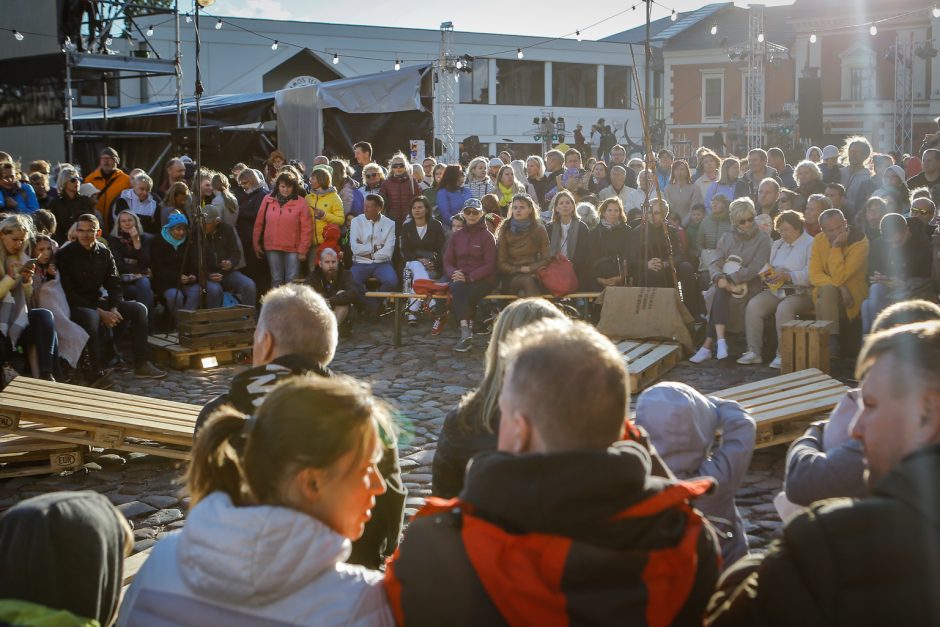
(26, 614)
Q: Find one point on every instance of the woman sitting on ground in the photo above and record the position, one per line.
(751, 247)
(788, 291)
(130, 247)
(422, 249)
(523, 248)
(610, 241)
(276, 499)
(472, 426)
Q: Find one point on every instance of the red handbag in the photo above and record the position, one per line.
(558, 276)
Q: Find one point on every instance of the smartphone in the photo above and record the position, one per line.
(29, 263)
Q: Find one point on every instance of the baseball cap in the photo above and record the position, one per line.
(829, 152)
(496, 161)
(473, 203)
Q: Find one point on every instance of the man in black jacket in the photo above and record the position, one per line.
(223, 255)
(330, 280)
(872, 561)
(296, 334)
(85, 267)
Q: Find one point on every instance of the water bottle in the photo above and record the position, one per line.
(407, 281)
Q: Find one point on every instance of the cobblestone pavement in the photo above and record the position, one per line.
(423, 380)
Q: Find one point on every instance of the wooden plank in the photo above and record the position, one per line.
(45, 413)
(65, 457)
(794, 378)
(203, 328)
(821, 405)
(133, 564)
(227, 340)
(133, 447)
(787, 347)
(627, 345)
(584, 295)
(58, 391)
(124, 413)
(658, 354)
(218, 314)
(640, 351)
(819, 332)
(791, 394)
(800, 340)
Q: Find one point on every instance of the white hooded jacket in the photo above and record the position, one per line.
(239, 566)
(682, 425)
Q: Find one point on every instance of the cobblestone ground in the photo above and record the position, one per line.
(423, 380)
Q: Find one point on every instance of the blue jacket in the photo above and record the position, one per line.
(25, 198)
(451, 203)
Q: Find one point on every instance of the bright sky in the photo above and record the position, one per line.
(549, 18)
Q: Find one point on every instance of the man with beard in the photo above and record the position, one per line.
(331, 281)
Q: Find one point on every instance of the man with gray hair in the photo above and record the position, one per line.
(296, 334)
(837, 271)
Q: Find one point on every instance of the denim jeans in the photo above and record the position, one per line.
(384, 272)
(879, 297)
(465, 296)
(241, 286)
(40, 332)
(141, 291)
(187, 297)
(284, 266)
(135, 317)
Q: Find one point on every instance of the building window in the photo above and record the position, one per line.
(860, 83)
(520, 82)
(713, 87)
(90, 93)
(574, 85)
(618, 87)
(475, 85)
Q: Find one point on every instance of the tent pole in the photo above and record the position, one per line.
(180, 122)
(69, 125)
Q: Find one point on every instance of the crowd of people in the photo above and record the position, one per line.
(568, 511)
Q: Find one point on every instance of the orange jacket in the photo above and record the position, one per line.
(119, 181)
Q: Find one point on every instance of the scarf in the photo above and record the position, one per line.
(145, 208)
(606, 225)
(172, 241)
(517, 227)
(506, 194)
(282, 200)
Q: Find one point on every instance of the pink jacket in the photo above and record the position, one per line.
(287, 228)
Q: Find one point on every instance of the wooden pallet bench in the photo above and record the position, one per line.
(213, 328)
(804, 344)
(132, 566)
(783, 406)
(22, 454)
(399, 298)
(648, 361)
(167, 350)
(99, 418)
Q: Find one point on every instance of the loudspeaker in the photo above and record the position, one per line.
(811, 109)
(185, 138)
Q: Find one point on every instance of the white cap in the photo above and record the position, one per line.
(829, 152)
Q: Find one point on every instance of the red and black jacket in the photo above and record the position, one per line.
(578, 538)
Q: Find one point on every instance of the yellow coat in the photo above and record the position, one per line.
(331, 204)
(841, 266)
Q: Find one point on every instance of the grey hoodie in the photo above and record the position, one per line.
(682, 425)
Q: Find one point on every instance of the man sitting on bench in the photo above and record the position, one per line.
(85, 267)
(372, 240)
(331, 281)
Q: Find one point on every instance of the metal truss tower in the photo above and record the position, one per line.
(446, 97)
(904, 94)
(754, 84)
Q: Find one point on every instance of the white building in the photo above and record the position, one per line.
(498, 99)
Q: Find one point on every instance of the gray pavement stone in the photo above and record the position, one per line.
(135, 509)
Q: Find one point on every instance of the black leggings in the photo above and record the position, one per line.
(465, 296)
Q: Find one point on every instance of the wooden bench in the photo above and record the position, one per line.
(398, 299)
(24, 455)
(647, 361)
(782, 406)
(132, 566)
(804, 344)
(101, 418)
(213, 328)
(167, 350)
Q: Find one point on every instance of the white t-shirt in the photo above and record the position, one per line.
(422, 230)
(564, 238)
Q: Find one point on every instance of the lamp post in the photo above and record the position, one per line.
(197, 233)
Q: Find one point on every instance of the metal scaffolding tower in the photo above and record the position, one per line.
(904, 93)
(754, 82)
(446, 96)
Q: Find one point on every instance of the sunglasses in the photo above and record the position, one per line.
(745, 221)
(469, 211)
(75, 179)
(398, 166)
(923, 212)
(372, 176)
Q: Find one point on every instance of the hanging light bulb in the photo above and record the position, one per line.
(108, 41)
(873, 30)
(577, 35)
(760, 38)
(189, 18)
(17, 35)
(519, 54)
(335, 58)
(674, 16)
(274, 45)
(812, 38)
(218, 25)
(150, 31)
(458, 64)
(714, 30)
(936, 11)
(397, 65)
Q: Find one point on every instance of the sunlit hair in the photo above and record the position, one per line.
(541, 164)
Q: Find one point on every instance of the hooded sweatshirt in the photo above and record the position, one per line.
(63, 551)
(682, 425)
(253, 565)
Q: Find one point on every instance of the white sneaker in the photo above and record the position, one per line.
(703, 354)
(775, 363)
(749, 358)
(722, 352)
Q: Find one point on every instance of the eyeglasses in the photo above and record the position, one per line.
(744, 221)
(75, 179)
(470, 211)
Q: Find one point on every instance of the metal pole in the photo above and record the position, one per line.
(195, 230)
(69, 126)
(104, 93)
(179, 70)
(649, 54)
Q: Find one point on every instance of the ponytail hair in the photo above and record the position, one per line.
(254, 458)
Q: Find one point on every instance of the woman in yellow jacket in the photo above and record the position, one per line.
(326, 207)
(838, 267)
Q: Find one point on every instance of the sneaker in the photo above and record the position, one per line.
(775, 363)
(703, 354)
(147, 370)
(722, 352)
(464, 344)
(411, 319)
(749, 358)
(439, 323)
(101, 380)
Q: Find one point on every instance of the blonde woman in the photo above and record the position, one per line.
(478, 181)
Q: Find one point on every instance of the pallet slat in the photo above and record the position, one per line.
(648, 361)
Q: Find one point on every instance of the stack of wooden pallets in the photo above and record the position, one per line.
(647, 361)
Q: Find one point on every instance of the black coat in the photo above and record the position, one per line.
(339, 292)
(84, 272)
(66, 211)
(583, 253)
(248, 207)
(167, 264)
(128, 259)
(455, 447)
(222, 246)
(611, 248)
(657, 247)
(150, 223)
(431, 246)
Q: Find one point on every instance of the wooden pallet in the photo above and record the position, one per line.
(23, 455)
(97, 418)
(783, 406)
(167, 350)
(648, 361)
(132, 566)
(214, 328)
(804, 344)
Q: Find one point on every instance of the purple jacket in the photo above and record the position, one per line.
(472, 250)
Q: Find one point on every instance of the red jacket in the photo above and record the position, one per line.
(286, 228)
(472, 250)
(398, 193)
